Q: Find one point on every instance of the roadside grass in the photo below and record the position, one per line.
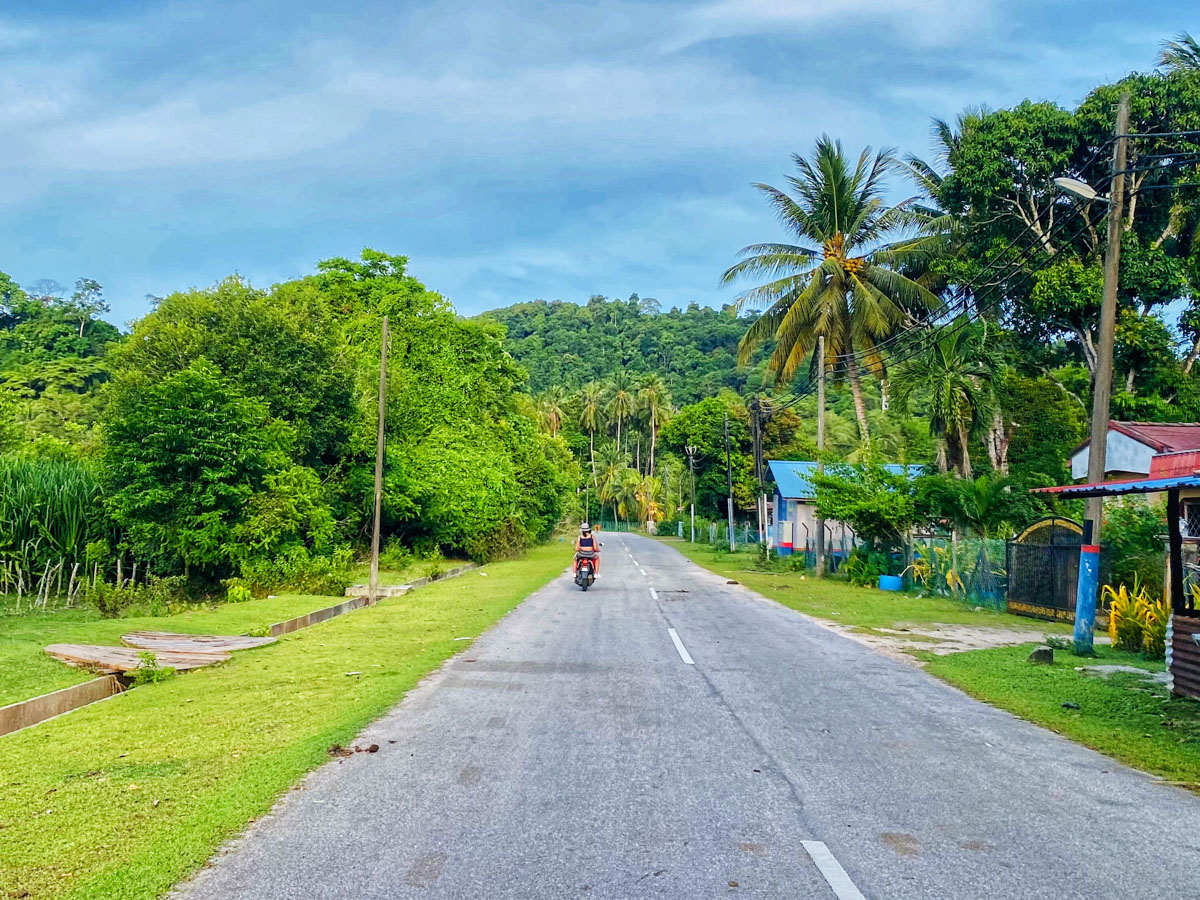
(837, 601)
(121, 799)
(26, 671)
(414, 569)
(1124, 716)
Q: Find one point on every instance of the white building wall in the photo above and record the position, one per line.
(1124, 456)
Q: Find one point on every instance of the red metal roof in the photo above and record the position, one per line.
(1168, 465)
(1163, 437)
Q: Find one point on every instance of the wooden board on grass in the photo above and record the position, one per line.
(186, 643)
(100, 658)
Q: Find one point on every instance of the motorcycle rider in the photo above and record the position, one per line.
(587, 543)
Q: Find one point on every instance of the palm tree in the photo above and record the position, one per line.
(550, 409)
(843, 281)
(591, 416)
(612, 464)
(621, 399)
(627, 494)
(1181, 54)
(655, 401)
(958, 371)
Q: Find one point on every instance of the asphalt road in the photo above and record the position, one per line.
(573, 752)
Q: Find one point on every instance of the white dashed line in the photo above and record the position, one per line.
(683, 654)
(828, 865)
(654, 594)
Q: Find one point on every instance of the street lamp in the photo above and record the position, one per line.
(1089, 551)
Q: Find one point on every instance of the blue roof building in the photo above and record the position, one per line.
(795, 519)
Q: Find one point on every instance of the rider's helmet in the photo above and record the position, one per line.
(585, 528)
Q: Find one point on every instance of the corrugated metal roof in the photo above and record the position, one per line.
(1128, 486)
(793, 477)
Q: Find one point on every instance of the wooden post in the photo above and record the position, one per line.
(373, 588)
(1175, 553)
(1085, 607)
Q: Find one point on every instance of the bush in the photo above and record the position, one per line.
(1133, 533)
(237, 593)
(299, 571)
(150, 672)
(154, 597)
(1137, 621)
(864, 566)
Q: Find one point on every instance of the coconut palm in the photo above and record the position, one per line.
(622, 399)
(549, 406)
(611, 466)
(843, 280)
(957, 371)
(591, 416)
(1181, 54)
(655, 402)
(627, 494)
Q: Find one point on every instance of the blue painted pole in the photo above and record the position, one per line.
(1086, 589)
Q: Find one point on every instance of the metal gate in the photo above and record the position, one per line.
(1043, 569)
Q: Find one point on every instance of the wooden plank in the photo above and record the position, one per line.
(20, 715)
(165, 640)
(125, 659)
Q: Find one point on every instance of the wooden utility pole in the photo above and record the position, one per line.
(729, 479)
(691, 456)
(820, 548)
(373, 588)
(1089, 563)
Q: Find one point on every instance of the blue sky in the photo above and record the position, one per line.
(513, 150)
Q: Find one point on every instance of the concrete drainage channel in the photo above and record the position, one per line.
(26, 713)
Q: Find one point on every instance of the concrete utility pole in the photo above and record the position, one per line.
(373, 588)
(1089, 557)
(820, 548)
(691, 456)
(729, 479)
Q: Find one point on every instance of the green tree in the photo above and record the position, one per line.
(849, 288)
(955, 373)
(591, 416)
(622, 400)
(655, 400)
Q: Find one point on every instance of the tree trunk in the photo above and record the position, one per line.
(860, 409)
(967, 472)
(637, 459)
(592, 451)
(1191, 357)
(941, 455)
(653, 440)
(998, 444)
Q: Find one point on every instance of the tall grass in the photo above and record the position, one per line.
(50, 510)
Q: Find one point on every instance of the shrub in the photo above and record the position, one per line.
(1133, 533)
(237, 593)
(1124, 626)
(864, 566)
(1155, 615)
(299, 571)
(150, 672)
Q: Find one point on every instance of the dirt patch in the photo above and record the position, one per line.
(903, 844)
(937, 638)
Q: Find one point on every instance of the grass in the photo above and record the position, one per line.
(1124, 716)
(121, 799)
(837, 601)
(26, 671)
(414, 569)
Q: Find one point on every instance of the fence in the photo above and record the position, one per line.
(973, 569)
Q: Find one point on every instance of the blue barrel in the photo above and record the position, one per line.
(891, 583)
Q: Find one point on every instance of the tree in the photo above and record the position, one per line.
(591, 416)
(656, 402)
(851, 290)
(1181, 54)
(956, 372)
(622, 400)
(613, 463)
(878, 504)
(550, 409)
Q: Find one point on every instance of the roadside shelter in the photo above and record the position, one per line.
(1183, 630)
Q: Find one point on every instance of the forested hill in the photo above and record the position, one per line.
(567, 345)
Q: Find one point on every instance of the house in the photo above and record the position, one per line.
(794, 508)
(1132, 446)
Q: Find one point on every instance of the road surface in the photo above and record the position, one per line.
(698, 741)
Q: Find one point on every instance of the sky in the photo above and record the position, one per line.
(512, 150)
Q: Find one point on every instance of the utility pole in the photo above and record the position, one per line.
(820, 548)
(729, 479)
(691, 455)
(1089, 555)
(373, 588)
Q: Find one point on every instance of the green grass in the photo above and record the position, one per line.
(1123, 716)
(416, 568)
(838, 601)
(26, 671)
(120, 799)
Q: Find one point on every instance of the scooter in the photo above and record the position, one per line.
(585, 569)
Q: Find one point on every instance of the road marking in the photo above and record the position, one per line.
(643, 571)
(683, 654)
(828, 866)
(654, 594)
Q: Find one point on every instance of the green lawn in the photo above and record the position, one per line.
(840, 602)
(417, 568)
(120, 799)
(26, 671)
(1124, 716)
